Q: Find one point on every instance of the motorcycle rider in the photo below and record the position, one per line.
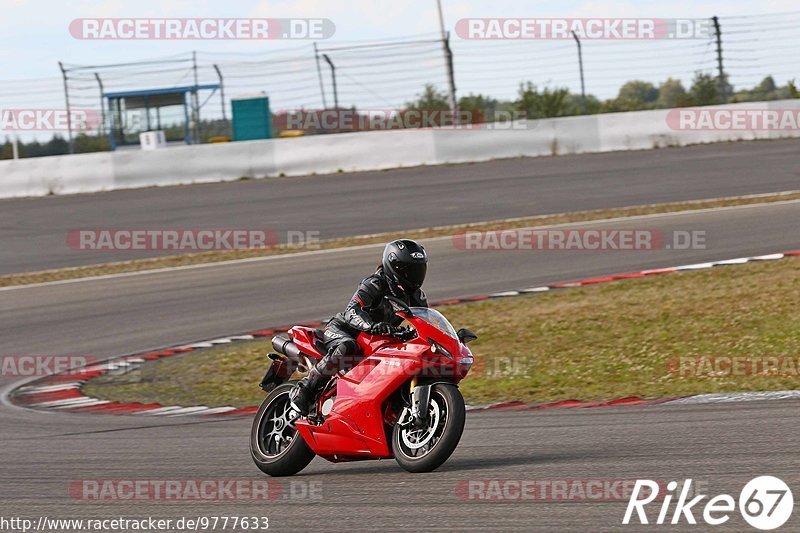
(400, 274)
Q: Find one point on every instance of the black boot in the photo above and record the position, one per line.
(307, 390)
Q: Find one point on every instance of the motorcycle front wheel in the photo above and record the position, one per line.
(275, 445)
(426, 448)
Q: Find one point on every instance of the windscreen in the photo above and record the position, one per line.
(435, 319)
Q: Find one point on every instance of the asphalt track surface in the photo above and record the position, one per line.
(34, 230)
(723, 445)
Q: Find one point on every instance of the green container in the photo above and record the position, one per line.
(251, 119)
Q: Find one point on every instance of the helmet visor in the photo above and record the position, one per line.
(413, 274)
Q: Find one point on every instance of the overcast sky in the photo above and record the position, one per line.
(35, 35)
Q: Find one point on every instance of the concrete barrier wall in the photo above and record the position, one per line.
(193, 164)
(40, 176)
(377, 150)
(324, 154)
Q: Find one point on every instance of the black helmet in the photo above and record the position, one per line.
(405, 263)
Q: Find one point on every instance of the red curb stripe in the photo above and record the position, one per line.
(476, 298)
(135, 408)
(123, 408)
(75, 375)
(60, 378)
(566, 285)
(89, 374)
(596, 280)
(629, 275)
(446, 302)
(580, 404)
(157, 355)
(42, 397)
(656, 401)
(114, 407)
(632, 400)
(549, 405)
(506, 405)
(563, 403)
(98, 407)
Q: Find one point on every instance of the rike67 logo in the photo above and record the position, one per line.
(765, 503)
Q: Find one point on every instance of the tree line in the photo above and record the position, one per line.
(636, 95)
(531, 102)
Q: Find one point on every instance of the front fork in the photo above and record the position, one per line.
(420, 402)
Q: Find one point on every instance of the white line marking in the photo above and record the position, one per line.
(217, 410)
(50, 388)
(67, 401)
(737, 397)
(536, 289)
(94, 368)
(655, 271)
(698, 266)
(738, 261)
(503, 294)
(205, 344)
(198, 409)
(88, 402)
(158, 411)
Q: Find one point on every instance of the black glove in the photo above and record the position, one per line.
(381, 328)
(404, 334)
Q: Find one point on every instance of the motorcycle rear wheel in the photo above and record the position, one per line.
(425, 449)
(276, 447)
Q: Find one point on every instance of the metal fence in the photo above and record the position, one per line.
(390, 73)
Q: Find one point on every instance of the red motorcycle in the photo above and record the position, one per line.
(401, 400)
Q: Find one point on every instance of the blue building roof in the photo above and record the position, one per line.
(168, 90)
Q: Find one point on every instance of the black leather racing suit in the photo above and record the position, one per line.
(366, 309)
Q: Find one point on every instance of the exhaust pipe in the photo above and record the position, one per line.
(284, 345)
(284, 363)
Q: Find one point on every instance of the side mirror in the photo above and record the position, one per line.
(399, 306)
(465, 335)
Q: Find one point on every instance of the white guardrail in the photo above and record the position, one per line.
(325, 154)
